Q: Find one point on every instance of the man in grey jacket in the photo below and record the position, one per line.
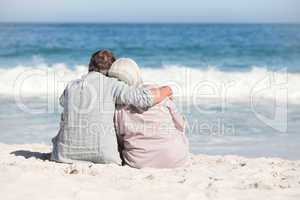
(86, 129)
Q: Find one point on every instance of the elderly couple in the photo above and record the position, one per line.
(109, 116)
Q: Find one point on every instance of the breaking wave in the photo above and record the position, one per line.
(44, 80)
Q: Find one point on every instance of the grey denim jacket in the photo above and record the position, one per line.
(87, 131)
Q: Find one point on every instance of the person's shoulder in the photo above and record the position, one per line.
(93, 75)
(73, 83)
(114, 82)
(79, 81)
(97, 75)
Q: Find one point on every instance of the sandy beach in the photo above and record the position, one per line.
(26, 173)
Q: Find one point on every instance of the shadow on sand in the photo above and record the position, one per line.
(31, 154)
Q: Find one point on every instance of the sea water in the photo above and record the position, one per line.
(238, 85)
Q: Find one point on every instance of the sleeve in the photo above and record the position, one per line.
(178, 119)
(62, 98)
(64, 95)
(138, 97)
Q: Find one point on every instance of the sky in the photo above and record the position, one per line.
(223, 11)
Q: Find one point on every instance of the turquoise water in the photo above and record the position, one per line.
(235, 47)
(231, 62)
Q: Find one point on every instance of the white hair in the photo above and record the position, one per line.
(126, 70)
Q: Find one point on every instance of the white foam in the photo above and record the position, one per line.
(210, 82)
(258, 83)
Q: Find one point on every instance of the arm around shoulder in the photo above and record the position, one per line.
(140, 97)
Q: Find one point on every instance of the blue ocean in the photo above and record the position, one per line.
(238, 85)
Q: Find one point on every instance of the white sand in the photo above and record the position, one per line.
(209, 177)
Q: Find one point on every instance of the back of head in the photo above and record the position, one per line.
(101, 61)
(126, 70)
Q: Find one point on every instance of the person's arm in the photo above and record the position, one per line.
(62, 98)
(179, 120)
(140, 97)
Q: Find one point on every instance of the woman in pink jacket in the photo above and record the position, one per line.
(154, 138)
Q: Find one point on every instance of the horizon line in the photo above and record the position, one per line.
(142, 22)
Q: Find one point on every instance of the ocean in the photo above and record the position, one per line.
(238, 85)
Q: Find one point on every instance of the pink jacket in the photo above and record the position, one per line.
(154, 138)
